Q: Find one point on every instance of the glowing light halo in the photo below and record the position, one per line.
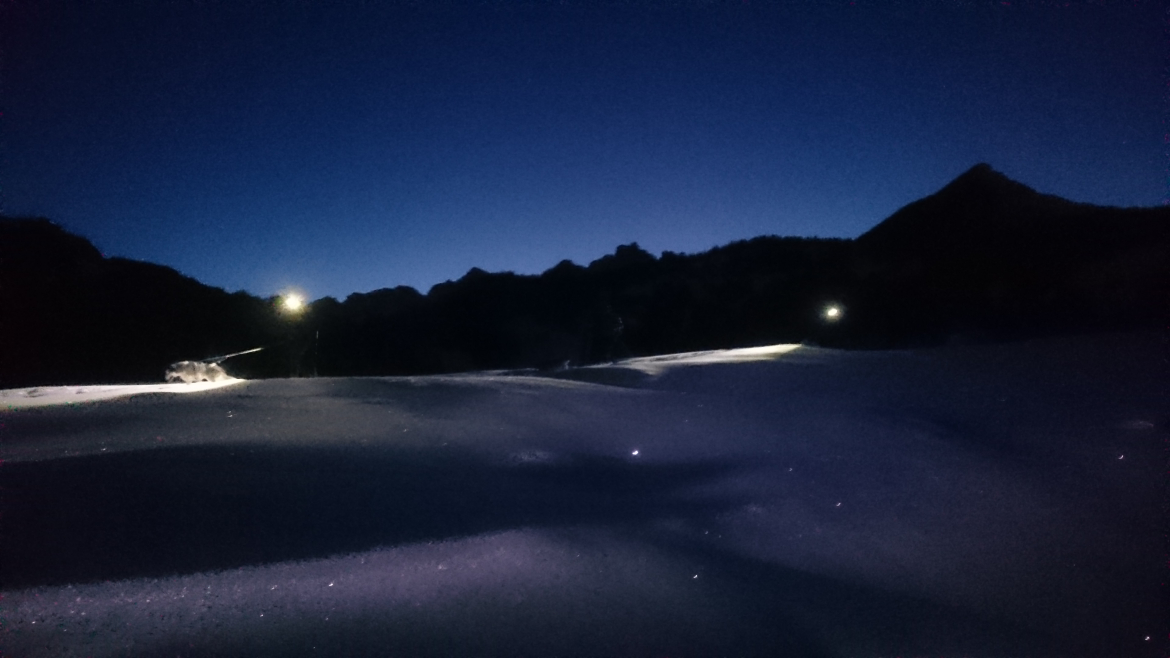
(833, 312)
(293, 302)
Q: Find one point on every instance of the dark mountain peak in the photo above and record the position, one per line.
(983, 177)
(625, 256)
(37, 245)
(978, 203)
(632, 252)
(984, 181)
(383, 296)
(565, 268)
(985, 173)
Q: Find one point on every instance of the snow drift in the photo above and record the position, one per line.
(963, 501)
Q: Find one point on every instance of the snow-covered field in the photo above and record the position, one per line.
(963, 501)
(47, 396)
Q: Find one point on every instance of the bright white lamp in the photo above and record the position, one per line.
(293, 303)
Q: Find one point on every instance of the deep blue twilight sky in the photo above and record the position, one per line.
(346, 146)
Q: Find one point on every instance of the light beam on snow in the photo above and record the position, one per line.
(44, 396)
(656, 365)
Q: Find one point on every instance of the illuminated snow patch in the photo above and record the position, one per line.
(44, 396)
(656, 365)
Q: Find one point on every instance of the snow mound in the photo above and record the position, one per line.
(44, 396)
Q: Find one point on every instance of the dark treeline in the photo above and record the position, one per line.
(629, 303)
(984, 259)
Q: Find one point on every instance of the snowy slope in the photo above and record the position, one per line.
(967, 501)
(45, 396)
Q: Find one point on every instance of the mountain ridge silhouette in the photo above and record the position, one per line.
(985, 258)
(978, 202)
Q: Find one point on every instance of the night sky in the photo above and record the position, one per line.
(341, 147)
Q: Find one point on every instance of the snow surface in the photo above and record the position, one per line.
(657, 365)
(964, 501)
(43, 396)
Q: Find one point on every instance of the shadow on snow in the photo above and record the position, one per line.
(182, 510)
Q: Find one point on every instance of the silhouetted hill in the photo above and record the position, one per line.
(989, 258)
(72, 315)
(759, 291)
(981, 205)
(985, 258)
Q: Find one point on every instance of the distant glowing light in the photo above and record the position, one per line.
(634, 453)
(293, 302)
(833, 312)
